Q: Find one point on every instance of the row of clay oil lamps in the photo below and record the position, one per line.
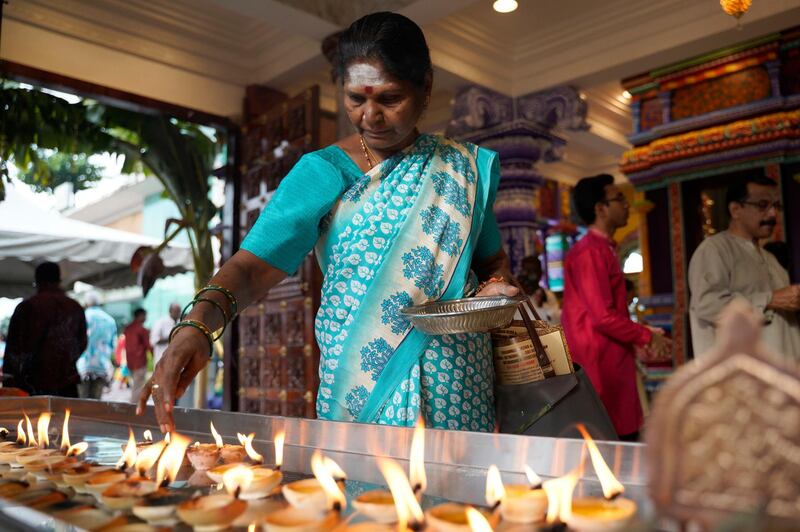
(139, 483)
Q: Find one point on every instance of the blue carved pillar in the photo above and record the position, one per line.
(523, 131)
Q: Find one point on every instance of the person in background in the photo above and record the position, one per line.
(94, 365)
(159, 334)
(732, 264)
(544, 301)
(137, 344)
(46, 336)
(159, 338)
(595, 318)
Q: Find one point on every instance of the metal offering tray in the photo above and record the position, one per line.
(468, 315)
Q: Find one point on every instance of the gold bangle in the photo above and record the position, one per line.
(227, 293)
(200, 326)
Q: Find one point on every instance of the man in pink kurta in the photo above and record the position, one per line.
(600, 334)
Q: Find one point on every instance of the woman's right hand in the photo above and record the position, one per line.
(185, 357)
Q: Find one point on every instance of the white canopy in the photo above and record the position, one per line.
(30, 235)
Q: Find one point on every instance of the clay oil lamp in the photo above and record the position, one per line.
(40, 498)
(96, 483)
(89, 518)
(40, 448)
(612, 512)
(265, 479)
(204, 456)
(246, 442)
(158, 508)
(559, 497)
(306, 514)
(310, 494)
(378, 505)
(76, 477)
(407, 509)
(9, 456)
(477, 521)
(524, 504)
(123, 495)
(66, 445)
(230, 454)
(452, 517)
(219, 510)
(11, 488)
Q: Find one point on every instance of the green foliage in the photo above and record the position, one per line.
(178, 153)
(52, 171)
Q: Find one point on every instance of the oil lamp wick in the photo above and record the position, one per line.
(237, 492)
(613, 496)
(496, 505)
(417, 488)
(417, 526)
(537, 486)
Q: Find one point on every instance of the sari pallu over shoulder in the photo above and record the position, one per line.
(402, 234)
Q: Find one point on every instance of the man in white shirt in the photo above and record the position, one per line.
(732, 264)
(159, 334)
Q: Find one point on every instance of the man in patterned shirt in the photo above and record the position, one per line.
(95, 365)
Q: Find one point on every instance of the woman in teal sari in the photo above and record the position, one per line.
(396, 218)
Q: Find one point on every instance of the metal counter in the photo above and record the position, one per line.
(456, 462)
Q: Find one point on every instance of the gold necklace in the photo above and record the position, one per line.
(367, 152)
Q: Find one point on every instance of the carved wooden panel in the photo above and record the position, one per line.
(278, 360)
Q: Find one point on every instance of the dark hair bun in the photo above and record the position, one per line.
(394, 40)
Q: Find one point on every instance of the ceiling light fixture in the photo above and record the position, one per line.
(505, 6)
(736, 8)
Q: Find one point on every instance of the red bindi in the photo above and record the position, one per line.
(368, 89)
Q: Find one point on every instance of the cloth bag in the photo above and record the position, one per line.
(538, 390)
(529, 351)
(552, 407)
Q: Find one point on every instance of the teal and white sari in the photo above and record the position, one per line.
(403, 233)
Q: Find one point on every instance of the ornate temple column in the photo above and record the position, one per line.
(523, 131)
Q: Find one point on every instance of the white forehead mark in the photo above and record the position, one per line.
(365, 75)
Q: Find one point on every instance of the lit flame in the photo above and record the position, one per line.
(337, 472)
(217, 437)
(149, 456)
(559, 496)
(29, 430)
(21, 438)
(148, 436)
(77, 449)
(171, 460)
(128, 457)
(237, 479)
(65, 443)
(416, 468)
(611, 486)
(477, 522)
(247, 441)
(324, 476)
(405, 502)
(280, 438)
(495, 491)
(168, 437)
(42, 426)
(534, 479)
